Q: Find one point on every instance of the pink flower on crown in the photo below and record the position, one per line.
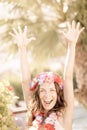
(49, 77)
(45, 77)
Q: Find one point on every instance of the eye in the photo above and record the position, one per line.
(52, 90)
(42, 90)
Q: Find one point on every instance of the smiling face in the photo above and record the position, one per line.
(48, 95)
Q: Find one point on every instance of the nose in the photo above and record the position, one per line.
(48, 95)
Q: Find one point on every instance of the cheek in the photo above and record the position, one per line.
(42, 98)
(55, 96)
(42, 95)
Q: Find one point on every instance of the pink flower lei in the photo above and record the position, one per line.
(49, 122)
(46, 77)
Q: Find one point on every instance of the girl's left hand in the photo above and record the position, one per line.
(73, 32)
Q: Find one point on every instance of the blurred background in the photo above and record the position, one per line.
(45, 19)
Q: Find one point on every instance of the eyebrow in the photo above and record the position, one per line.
(49, 88)
(41, 89)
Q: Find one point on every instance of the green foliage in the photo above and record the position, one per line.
(6, 98)
(77, 9)
(16, 83)
(42, 19)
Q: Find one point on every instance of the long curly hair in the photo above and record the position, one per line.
(35, 104)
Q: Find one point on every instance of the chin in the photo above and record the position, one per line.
(48, 108)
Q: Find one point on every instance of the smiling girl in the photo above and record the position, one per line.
(49, 99)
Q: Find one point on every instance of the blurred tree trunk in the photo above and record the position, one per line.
(81, 73)
(77, 10)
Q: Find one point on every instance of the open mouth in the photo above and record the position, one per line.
(48, 102)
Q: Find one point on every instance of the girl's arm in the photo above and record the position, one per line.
(25, 73)
(22, 41)
(72, 36)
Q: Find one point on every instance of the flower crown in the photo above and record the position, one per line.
(49, 77)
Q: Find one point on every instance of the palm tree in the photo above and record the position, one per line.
(45, 19)
(42, 19)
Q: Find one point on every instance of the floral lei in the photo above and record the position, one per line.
(49, 122)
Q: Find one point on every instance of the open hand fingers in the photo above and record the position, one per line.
(68, 25)
(25, 30)
(82, 29)
(19, 29)
(12, 34)
(64, 34)
(78, 26)
(73, 24)
(15, 31)
(18, 32)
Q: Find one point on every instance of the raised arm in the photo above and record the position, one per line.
(72, 36)
(22, 41)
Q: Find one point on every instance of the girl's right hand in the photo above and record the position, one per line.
(21, 36)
